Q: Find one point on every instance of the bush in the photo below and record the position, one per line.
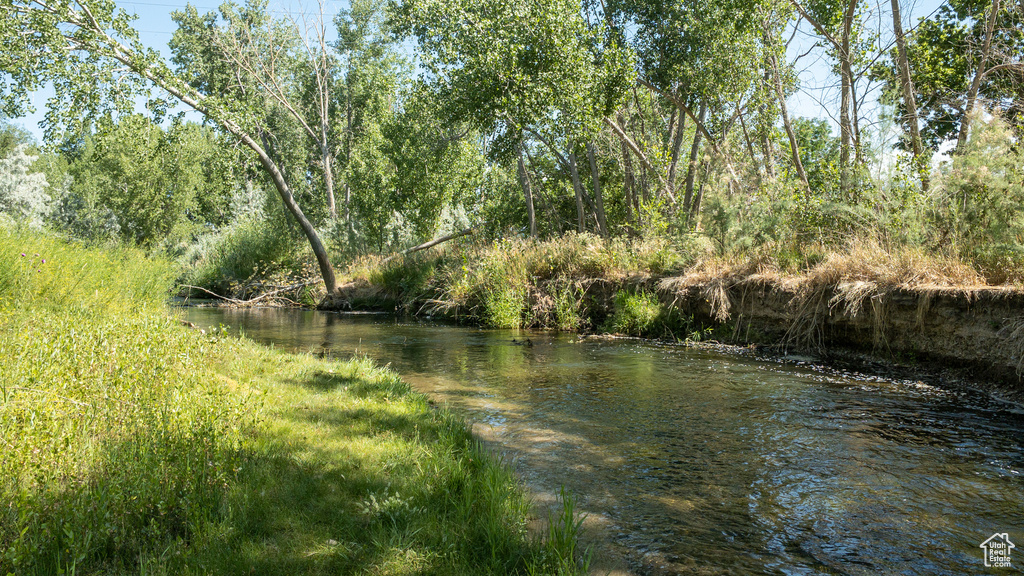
(245, 250)
(635, 312)
(978, 199)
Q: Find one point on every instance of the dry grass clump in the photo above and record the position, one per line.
(908, 268)
(715, 276)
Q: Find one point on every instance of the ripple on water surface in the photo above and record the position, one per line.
(710, 463)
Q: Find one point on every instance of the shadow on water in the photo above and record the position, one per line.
(700, 462)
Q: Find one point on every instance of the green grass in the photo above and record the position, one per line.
(520, 283)
(133, 445)
(637, 312)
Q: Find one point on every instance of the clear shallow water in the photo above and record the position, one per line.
(707, 463)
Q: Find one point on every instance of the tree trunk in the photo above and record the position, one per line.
(602, 223)
(621, 134)
(324, 262)
(845, 128)
(577, 187)
(328, 161)
(909, 101)
(699, 124)
(858, 152)
(750, 149)
(524, 180)
(694, 214)
(628, 182)
(972, 94)
(691, 169)
(766, 143)
(677, 143)
(794, 146)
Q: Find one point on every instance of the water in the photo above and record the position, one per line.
(700, 462)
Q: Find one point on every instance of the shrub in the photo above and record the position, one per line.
(635, 312)
(245, 250)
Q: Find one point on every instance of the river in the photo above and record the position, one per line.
(704, 462)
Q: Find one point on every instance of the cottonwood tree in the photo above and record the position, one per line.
(838, 24)
(970, 53)
(96, 63)
(158, 186)
(702, 56)
(520, 71)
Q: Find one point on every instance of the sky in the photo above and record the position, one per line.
(817, 98)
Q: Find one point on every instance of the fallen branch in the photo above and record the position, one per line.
(432, 243)
(252, 301)
(214, 294)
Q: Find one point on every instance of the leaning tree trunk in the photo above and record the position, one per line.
(524, 181)
(972, 94)
(909, 101)
(283, 190)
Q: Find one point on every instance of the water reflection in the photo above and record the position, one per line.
(711, 464)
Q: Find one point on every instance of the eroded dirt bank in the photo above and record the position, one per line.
(978, 331)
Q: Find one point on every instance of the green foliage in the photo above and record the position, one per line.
(12, 136)
(517, 64)
(568, 315)
(147, 186)
(979, 196)
(246, 250)
(635, 312)
(133, 445)
(114, 448)
(944, 52)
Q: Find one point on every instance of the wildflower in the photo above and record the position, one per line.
(22, 254)
(44, 261)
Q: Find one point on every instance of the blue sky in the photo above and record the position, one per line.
(818, 96)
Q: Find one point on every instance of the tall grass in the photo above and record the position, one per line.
(248, 250)
(132, 445)
(111, 443)
(522, 283)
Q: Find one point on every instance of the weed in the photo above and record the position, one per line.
(635, 312)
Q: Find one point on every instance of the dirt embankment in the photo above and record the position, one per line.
(978, 330)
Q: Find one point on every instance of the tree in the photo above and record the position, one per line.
(12, 136)
(835, 21)
(372, 75)
(92, 55)
(519, 71)
(22, 192)
(700, 55)
(909, 101)
(157, 185)
(968, 51)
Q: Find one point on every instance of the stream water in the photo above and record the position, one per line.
(700, 462)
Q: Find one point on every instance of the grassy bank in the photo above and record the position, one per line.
(584, 283)
(133, 445)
